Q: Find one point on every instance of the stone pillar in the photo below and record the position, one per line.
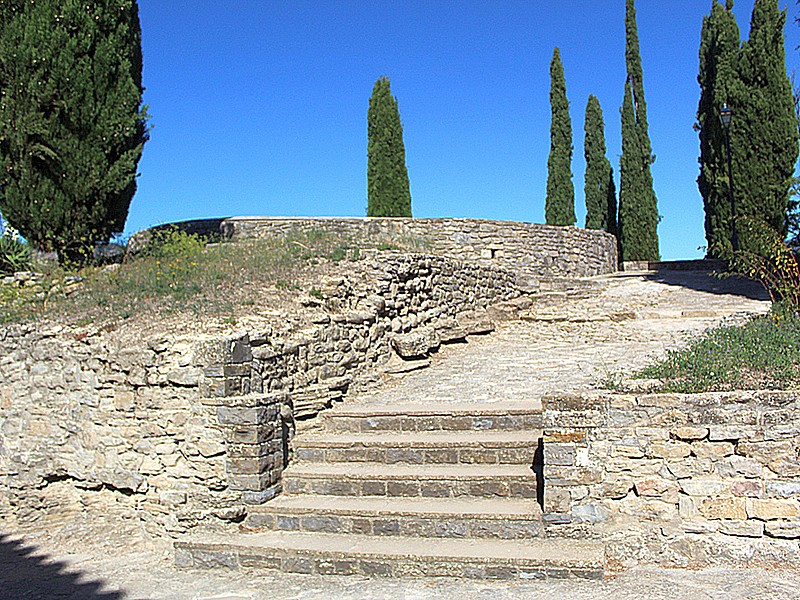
(570, 423)
(256, 437)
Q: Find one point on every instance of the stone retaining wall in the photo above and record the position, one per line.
(681, 480)
(531, 251)
(186, 427)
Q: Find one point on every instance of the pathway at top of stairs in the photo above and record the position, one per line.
(432, 472)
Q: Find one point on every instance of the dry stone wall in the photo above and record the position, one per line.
(531, 251)
(681, 480)
(184, 428)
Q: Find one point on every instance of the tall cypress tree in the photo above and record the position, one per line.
(559, 206)
(720, 85)
(388, 191)
(751, 79)
(764, 136)
(599, 188)
(638, 207)
(72, 125)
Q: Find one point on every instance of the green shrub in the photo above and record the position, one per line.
(767, 259)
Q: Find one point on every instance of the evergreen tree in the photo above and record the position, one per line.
(638, 209)
(388, 192)
(764, 136)
(72, 126)
(751, 79)
(559, 206)
(599, 188)
(720, 85)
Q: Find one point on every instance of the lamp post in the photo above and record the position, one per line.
(726, 116)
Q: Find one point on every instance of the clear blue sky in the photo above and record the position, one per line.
(259, 106)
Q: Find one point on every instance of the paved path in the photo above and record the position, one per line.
(556, 347)
(571, 345)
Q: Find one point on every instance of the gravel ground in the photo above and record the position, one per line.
(29, 571)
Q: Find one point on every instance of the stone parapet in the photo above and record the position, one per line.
(531, 251)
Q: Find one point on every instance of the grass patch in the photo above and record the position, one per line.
(763, 354)
(177, 273)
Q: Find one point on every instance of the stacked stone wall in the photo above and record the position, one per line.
(531, 251)
(681, 480)
(187, 427)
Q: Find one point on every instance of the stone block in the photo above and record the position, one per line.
(712, 450)
(722, 508)
(557, 501)
(688, 434)
(700, 526)
(752, 529)
(416, 344)
(779, 488)
(766, 452)
(788, 467)
(690, 467)
(590, 513)
(749, 488)
(248, 482)
(783, 529)
(626, 450)
(614, 490)
(702, 486)
(771, 510)
(669, 450)
(559, 454)
(555, 436)
(734, 433)
(654, 487)
(687, 507)
(738, 466)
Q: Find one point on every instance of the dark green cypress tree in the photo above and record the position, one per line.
(72, 125)
(559, 207)
(388, 191)
(638, 207)
(764, 136)
(720, 85)
(599, 188)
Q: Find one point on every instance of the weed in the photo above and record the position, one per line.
(763, 354)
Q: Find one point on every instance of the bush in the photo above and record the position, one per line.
(769, 260)
(167, 265)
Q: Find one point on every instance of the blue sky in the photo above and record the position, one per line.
(259, 106)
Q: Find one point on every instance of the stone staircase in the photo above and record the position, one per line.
(407, 490)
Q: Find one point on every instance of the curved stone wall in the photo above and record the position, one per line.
(532, 251)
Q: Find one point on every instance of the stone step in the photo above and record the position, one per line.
(371, 418)
(496, 518)
(346, 554)
(402, 480)
(429, 447)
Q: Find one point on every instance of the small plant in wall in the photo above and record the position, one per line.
(14, 252)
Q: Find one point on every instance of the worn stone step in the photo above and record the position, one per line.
(429, 447)
(497, 518)
(431, 481)
(345, 554)
(371, 418)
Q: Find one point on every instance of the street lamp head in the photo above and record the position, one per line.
(725, 116)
